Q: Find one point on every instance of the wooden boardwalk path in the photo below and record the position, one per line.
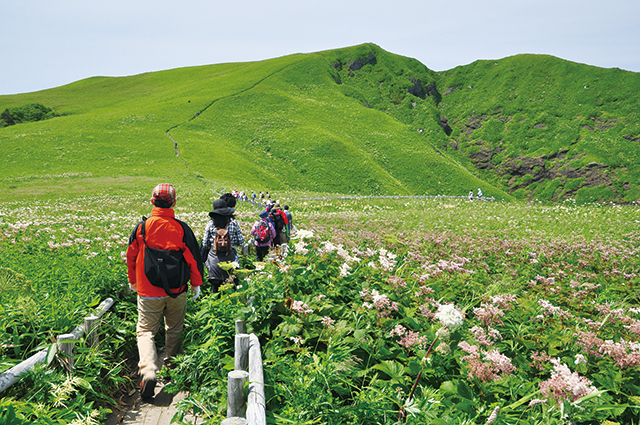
(159, 410)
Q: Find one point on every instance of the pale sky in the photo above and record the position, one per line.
(45, 43)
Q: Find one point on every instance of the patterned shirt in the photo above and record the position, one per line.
(237, 240)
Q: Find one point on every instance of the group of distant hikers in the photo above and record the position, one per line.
(259, 197)
(223, 239)
(471, 194)
(164, 255)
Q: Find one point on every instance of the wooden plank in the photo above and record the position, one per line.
(256, 403)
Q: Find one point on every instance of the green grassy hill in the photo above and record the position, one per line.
(545, 128)
(357, 120)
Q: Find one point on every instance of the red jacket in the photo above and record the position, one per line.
(163, 231)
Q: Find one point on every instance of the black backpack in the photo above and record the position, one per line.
(278, 221)
(165, 268)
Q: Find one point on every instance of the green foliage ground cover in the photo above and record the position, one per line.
(346, 318)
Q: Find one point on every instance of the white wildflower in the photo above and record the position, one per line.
(449, 316)
(580, 359)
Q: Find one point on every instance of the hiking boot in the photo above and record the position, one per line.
(147, 388)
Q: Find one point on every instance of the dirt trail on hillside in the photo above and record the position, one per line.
(175, 144)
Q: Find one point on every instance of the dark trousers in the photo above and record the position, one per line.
(261, 252)
(215, 284)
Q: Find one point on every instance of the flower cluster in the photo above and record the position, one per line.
(486, 338)
(550, 310)
(300, 308)
(626, 354)
(449, 316)
(409, 338)
(485, 365)
(565, 385)
(387, 260)
(300, 248)
(328, 247)
(327, 321)
(380, 302)
(449, 266)
(491, 313)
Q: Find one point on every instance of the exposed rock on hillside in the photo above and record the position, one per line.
(473, 123)
(537, 169)
(417, 90)
(357, 64)
(444, 123)
(482, 159)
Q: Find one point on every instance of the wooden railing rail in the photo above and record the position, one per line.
(89, 328)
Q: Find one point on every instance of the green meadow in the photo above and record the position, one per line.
(358, 120)
(348, 320)
(540, 287)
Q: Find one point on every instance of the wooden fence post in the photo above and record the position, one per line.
(236, 403)
(241, 355)
(241, 327)
(91, 330)
(66, 348)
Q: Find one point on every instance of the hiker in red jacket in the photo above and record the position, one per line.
(163, 232)
(280, 223)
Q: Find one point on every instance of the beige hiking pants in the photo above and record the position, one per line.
(150, 312)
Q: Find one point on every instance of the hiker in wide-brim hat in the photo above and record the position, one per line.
(220, 207)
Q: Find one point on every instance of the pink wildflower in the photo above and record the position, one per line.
(411, 339)
(493, 415)
(482, 337)
(494, 366)
(549, 310)
(537, 401)
(564, 385)
(540, 360)
(489, 314)
(500, 362)
(503, 301)
(398, 330)
(380, 302)
(327, 321)
(397, 281)
(300, 308)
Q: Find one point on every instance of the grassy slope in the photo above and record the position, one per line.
(277, 124)
(314, 123)
(550, 105)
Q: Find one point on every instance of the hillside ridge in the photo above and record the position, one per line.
(356, 120)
